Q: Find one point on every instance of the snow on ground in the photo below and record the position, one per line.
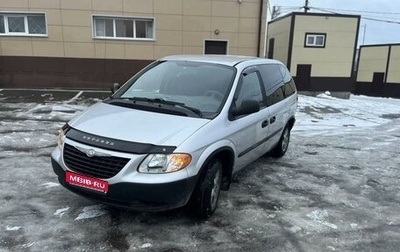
(328, 115)
(337, 188)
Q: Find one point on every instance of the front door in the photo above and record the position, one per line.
(377, 84)
(271, 46)
(303, 77)
(249, 139)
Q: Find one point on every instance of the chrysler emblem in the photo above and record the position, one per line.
(91, 152)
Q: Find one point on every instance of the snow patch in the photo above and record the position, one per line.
(90, 212)
(295, 229)
(60, 212)
(331, 248)
(327, 94)
(75, 97)
(27, 245)
(319, 217)
(11, 228)
(46, 95)
(50, 184)
(146, 245)
(353, 225)
(328, 115)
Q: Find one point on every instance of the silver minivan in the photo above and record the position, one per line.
(176, 132)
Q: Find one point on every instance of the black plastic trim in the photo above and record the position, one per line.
(117, 145)
(321, 84)
(291, 37)
(388, 63)
(376, 45)
(389, 89)
(313, 14)
(354, 71)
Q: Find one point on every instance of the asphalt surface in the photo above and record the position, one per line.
(330, 192)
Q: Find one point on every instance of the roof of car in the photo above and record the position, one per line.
(229, 60)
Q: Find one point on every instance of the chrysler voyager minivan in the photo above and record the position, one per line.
(176, 132)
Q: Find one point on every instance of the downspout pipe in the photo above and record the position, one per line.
(260, 28)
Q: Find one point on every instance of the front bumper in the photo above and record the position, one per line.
(136, 196)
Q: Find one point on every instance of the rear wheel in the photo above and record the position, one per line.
(205, 197)
(280, 149)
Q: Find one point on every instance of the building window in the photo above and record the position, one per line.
(315, 40)
(123, 28)
(23, 24)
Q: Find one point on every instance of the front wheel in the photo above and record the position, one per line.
(205, 197)
(280, 149)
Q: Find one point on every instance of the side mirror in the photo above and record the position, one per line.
(115, 87)
(247, 107)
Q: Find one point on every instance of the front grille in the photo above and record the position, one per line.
(98, 167)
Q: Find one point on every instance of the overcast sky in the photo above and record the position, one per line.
(375, 32)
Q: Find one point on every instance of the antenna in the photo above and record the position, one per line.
(306, 8)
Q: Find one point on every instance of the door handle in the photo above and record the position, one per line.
(272, 120)
(264, 124)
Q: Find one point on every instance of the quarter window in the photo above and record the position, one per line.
(289, 88)
(315, 40)
(21, 24)
(123, 28)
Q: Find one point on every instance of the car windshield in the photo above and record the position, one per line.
(202, 87)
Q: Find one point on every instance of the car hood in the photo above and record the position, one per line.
(136, 125)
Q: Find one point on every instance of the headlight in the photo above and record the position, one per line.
(161, 163)
(61, 136)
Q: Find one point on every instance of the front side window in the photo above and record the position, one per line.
(21, 24)
(250, 89)
(315, 40)
(123, 28)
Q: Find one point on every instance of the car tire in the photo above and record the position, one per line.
(205, 197)
(280, 149)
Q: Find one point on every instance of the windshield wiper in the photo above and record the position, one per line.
(165, 102)
(179, 104)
